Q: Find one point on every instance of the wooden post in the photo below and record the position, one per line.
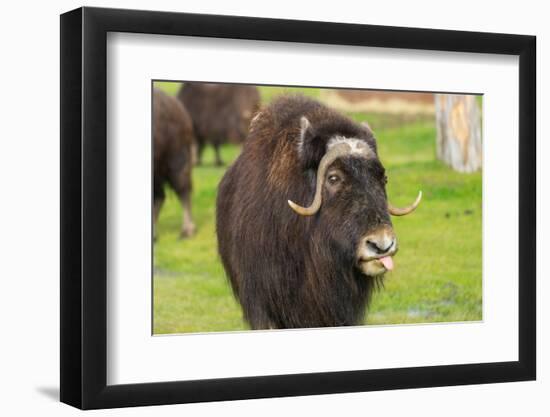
(458, 121)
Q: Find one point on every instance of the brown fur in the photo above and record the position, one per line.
(173, 143)
(287, 270)
(220, 112)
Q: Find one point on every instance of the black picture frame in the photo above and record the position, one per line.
(84, 207)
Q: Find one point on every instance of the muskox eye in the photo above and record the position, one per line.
(333, 179)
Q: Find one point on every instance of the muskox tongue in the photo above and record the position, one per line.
(387, 261)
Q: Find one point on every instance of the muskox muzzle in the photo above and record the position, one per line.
(375, 251)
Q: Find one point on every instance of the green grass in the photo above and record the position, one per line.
(168, 87)
(437, 277)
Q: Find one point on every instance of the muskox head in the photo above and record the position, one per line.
(350, 200)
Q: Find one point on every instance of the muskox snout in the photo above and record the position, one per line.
(379, 245)
(375, 251)
(380, 242)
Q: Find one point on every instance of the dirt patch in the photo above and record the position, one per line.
(379, 101)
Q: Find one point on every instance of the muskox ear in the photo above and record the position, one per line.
(310, 150)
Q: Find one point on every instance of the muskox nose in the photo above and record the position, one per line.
(380, 242)
(379, 247)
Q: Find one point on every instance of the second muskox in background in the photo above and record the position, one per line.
(220, 112)
(173, 143)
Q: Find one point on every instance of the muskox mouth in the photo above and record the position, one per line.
(376, 266)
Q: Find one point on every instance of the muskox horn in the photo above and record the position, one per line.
(396, 211)
(332, 155)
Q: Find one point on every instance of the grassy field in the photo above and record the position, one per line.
(437, 277)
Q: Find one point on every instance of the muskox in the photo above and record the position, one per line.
(173, 144)
(220, 112)
(292, 266)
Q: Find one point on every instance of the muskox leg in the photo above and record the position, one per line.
(261, 323)
(200, 150)
(219, 161)
(158, 200)
(180, 179)
(256, 315)
(188, 227)
(157, 205)
(194, 154)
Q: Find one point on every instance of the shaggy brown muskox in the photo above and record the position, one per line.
(220, 112)
(292, 266)
(173, 149)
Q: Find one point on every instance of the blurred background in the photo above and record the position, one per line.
(428, 142)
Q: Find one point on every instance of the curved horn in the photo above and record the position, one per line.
(396, 211)
(334, 153)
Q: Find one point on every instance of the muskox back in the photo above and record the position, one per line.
(220, 112)
(173, 143)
